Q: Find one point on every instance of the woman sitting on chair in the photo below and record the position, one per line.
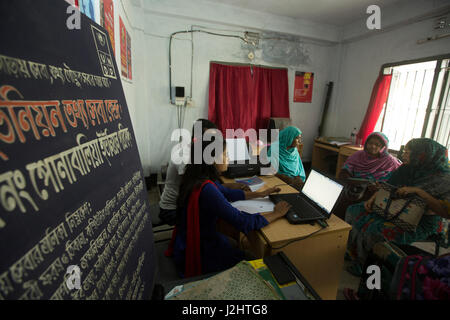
(287, 159)
(425, 172)
(373, 163)
(198, 248)
(168, 202)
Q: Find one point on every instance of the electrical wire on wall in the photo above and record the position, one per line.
(181, 108)
(292, 51)
(192, 60)
(276, 48)
(181, 113)
(192, 31)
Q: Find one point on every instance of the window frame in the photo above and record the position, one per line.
(438, 59)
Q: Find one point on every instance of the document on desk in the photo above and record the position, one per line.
(339, 143)
(254, 183)
(255, 205)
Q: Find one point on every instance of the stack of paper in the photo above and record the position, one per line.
(254, 183)
(338, 143)
(254, 206)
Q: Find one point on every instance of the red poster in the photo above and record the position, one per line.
(303, 86)
(74, 3)
(129, 56)
(123, 48)
(107, 20)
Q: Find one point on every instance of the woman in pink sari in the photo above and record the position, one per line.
(374, 162)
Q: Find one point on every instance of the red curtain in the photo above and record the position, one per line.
(244, 97)
(379, 97)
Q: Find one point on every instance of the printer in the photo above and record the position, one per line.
(241, 164)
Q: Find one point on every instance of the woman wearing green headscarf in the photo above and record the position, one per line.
(284, 156)
(425, 172)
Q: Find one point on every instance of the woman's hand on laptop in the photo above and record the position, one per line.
(280, 210)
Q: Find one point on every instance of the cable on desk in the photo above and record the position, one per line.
(322, 224)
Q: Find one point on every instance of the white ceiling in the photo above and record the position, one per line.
(332, 12)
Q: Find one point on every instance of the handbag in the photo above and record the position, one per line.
(405, 213)
(355, 192)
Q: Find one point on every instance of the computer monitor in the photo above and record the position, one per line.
(322, 190)
(237, 150)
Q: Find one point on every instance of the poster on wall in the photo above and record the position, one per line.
(303, 86)
(107, 20)
(73, 3)
(74, 209)
(87, 7)
(130, 76)
(124, 60)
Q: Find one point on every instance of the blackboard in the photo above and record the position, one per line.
(74, 211)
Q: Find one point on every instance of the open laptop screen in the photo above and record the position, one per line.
(322, 190)
(237, 150)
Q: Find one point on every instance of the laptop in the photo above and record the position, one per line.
(240, 161)
(315, 202)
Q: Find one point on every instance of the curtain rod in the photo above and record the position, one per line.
(247, 65)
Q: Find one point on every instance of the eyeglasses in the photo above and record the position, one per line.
(376, 144)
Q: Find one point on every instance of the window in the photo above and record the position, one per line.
(418, 103)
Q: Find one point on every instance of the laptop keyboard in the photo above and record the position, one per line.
(303, 209)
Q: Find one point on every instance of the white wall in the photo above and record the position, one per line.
(361, 59)
(134, 90)
(216, 13)
(154, 118)
(350, 56)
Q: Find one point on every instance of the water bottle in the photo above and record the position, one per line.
(353, 136)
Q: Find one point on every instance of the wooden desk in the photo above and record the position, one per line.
(322, 151)
(320, 258)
